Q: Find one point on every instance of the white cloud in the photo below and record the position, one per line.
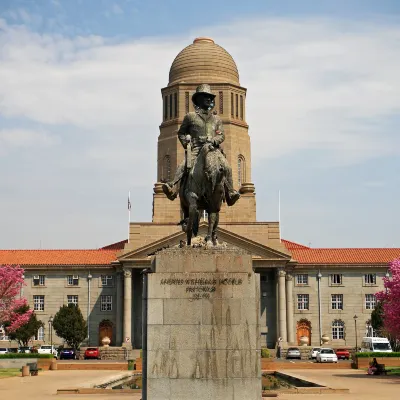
(313, 84)
(15, 138)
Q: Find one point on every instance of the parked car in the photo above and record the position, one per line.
(92, 352)
(326, 355)
(47, 349)
(3, 350)
(313, 353)
(12, 350)
(343, 353)
(24, 349)
(68, 354)
(293, 352)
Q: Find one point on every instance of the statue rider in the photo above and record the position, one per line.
(203, 127)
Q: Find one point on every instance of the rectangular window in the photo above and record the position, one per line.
(38, 303)
(39, 280)
(106, 280)
(232, 106)
(336, 279)
(221, 102)
(72, 299)
(170, 106)
(337, 301)
(303, 302)
(40, 334)
(337, 330)
(370, 279)
(175, 105)
(241, 107)
(302, 279)
(72, 280)
(370, 301)
(106, 303)
(186, 102)
(165, 108)
(237, 106)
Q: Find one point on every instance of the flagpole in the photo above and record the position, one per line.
(129, 214)
(279, 215)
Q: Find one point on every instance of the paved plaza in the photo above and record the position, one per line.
(44, 386)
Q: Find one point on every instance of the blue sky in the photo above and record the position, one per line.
(76, 123)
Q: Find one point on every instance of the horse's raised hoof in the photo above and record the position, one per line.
(232, 198)
(169, 191)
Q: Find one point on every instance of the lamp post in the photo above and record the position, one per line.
(51, 330)
(319, 276)
(355, 326)
(387, 275)
(89, 279)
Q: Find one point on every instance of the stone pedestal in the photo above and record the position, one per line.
(203, 326)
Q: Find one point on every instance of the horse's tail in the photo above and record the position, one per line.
(196, 223)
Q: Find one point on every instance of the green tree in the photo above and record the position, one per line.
(377, 317)
(70, 325)
(25, 332)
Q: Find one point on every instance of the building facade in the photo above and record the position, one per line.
(304, 291)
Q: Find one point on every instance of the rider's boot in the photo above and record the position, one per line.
(232, 196)
(169, 190)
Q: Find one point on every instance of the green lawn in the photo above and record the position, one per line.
(7, 372)
(393, 371)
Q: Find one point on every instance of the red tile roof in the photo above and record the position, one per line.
(116, 246)
(293, 245)
(345, 256)
(57, 257)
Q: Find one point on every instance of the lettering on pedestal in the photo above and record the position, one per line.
(201, 288)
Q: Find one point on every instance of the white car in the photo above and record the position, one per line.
(313, 353)
(326, 355)
(47, 349)
(3, 350)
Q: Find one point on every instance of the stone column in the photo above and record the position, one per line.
(127, 307)
(289, 308)
(282, 304)
(119, 294)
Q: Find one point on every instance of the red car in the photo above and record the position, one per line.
(92, 352)
(343, 353)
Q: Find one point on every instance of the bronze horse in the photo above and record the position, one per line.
(202, 189)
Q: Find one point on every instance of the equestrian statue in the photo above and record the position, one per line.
(204, 177)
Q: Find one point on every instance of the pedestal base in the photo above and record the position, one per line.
(203, 326)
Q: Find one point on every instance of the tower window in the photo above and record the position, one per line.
(241, 170)
(241, 107)
(186, 102)
(237, 106)
(165, 108)
(221, 102)
(175, 105)
(170, 106)
(167, 168)
(232, 106)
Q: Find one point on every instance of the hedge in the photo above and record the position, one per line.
(377, 354)
(25, 355)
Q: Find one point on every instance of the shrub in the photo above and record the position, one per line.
(265, 353)
(377, 354)
(25, 355)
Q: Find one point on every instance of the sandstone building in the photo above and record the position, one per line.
(299, 285)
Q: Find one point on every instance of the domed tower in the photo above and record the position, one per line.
(205, 62)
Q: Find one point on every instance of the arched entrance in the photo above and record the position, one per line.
(105, 329)
(304, 329)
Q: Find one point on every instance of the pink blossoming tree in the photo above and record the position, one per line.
(11, 282)
(390, 299)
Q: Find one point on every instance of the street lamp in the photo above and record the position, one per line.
(319, 276)
(51, 330)
(355, 326)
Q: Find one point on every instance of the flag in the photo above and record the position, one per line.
(129, 203)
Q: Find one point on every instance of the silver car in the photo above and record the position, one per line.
(293, 352)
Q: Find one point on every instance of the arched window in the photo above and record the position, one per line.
(166, 172)
(3, 335)
(337, 329)
(40, 334)
(241, 170)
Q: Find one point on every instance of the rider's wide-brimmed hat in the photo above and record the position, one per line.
(202, 89)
